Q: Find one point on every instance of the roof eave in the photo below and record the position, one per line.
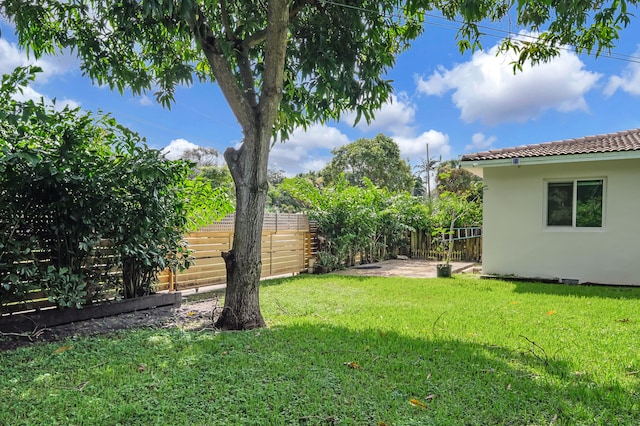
(476, 166)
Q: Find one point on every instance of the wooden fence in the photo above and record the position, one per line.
(287, 245)
(288, 242)
(467, 245)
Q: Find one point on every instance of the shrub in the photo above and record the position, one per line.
(85, 206)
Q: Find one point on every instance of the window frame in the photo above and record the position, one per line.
(574, 181)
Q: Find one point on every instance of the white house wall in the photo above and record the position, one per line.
(516, 240)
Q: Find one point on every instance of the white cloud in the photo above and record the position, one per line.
(11, 57)
(315, 164)
(415, 148)
(395, 117)
(397, 120)
(29, 93)
(479, 142)
(486, 89)
(628, 82)
(145, 100)
(176, 148)
(306, 150)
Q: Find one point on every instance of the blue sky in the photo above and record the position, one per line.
(456, 103)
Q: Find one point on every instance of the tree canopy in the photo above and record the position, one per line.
(450, 177)
(376, 159)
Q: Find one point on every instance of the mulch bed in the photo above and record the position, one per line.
(191, 316)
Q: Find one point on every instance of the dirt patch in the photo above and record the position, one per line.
(195, 315)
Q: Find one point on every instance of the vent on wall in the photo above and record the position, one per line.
(569, 281)
(515, 161)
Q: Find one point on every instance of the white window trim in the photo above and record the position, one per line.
(573, 228)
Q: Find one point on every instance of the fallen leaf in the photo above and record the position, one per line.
(191, 313)
(417, 403)
(624, 320)
(141, 368)
(382, 424)
(509, 386)
(430, 396)
(62, 349)
(551, 313)
(515, 303)
(352, 364)
(554, 419)
(428, 376)
(82, 386)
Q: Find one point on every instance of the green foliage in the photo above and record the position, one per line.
(376, 159)
(278, 198)
(450, 177)
(71, 182)
(164, 44)
(219, 176)
(455, 209)
(355, 219)
(590, 27)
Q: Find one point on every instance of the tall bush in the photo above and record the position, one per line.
(352, 219)
(72, 182)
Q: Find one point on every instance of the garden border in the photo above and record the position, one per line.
(31, 321)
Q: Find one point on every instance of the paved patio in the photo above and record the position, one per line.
(413, 268)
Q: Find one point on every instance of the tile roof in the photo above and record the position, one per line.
(612, 142)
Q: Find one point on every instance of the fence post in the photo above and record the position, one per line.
(172, 287)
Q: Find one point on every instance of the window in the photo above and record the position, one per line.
(575, 203)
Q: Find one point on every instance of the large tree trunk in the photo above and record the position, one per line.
(248, 164)
(248, 167)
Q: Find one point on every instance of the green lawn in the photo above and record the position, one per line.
(355, 351)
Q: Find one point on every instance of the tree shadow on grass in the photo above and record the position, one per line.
(603, 291)
(312, 374)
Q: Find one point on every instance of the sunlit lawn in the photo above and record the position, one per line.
(355, 351)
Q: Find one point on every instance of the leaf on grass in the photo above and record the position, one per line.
(141, 368)
(352, 364)
(515, 303)
(624, 320)
(417, 403)
(509, 386)
(428, 376)
(551, 313)
(554, 419)
(81, 386)
(63, 349)
(430, 396)
(382, 424)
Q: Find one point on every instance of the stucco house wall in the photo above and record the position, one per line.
(517, 240)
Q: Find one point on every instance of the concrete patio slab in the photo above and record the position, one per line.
(411, 268)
